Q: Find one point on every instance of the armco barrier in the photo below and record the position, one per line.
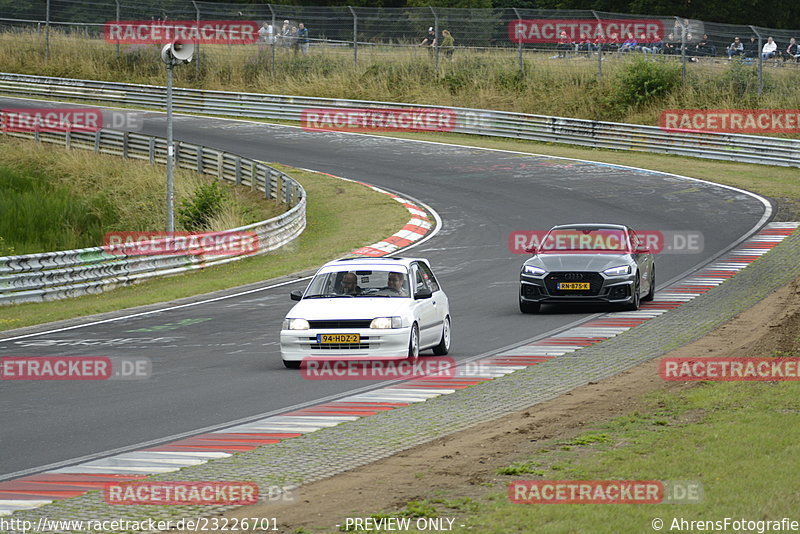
(55, 275)
(595, 134)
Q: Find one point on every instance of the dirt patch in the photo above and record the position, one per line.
(465, 462)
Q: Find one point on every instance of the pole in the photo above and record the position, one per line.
(197, 44)
(519, 48)
(760, 62)
(117, 2)
(170, 154)
(273, 39)
(47, 33)
(355, 35)
(683, 50)
(599, 51)
(436, 40)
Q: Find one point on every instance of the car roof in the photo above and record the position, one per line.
(367, 262)
(591, 225)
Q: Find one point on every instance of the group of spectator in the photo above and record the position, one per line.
(289, 36)
(770, 50)
(447, 44)
(672, 45)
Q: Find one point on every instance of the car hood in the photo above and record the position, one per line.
(349, 308)
(579, 262)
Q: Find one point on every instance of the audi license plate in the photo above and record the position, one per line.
(338, 338)
(573, 285)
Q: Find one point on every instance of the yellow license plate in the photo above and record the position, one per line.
(338, 338)
(573, 285)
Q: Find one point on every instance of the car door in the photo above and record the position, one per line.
(429, 324)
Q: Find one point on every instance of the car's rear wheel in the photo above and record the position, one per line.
(635, 301)
(529, 307)
(444, 344)
(652, 293)
(413, 343)
(291, 365)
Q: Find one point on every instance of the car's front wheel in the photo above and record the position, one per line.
(413, 343)
(444, 344)
(292, 365)
(635, 300)
(652, 293)
(529, 307)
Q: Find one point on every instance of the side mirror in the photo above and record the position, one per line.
(423, 294)
(296, 294)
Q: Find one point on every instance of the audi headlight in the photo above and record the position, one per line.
(295, 324)
(533, 271)
(383, 323)
(618, 271)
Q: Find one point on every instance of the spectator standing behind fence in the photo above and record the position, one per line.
(285, 37)
(266, 34)
(302, 38)
(736, 48)
(430, 39)
(769, 49)
(448, 44)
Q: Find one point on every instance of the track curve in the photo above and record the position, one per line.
(227, 367)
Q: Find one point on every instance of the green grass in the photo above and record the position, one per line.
(487, 79)
(52, 198)
(342, 216)
(739, 440)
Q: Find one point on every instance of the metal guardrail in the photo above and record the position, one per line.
(69, 273)
(595, 134)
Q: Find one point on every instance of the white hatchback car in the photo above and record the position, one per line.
(367, 309)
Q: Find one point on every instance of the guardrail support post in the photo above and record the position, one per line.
(125, 145)
(68, 136)
(199, 159)
(151, 149)
(97, 140)
(238, 174)
(254, 175)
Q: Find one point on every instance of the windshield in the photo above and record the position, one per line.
(585, 240)
(352, 284)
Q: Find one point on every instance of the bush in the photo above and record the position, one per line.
(195, 214)
(642, 81)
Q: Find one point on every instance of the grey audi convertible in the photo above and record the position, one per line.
(588, 263)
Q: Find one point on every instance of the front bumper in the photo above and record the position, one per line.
(614, 290)
(375, 344)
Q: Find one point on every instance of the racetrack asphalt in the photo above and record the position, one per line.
(224, 363)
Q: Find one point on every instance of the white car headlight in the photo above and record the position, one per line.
(295, 324)
(533, 271)
(618, 271)
(383, 323)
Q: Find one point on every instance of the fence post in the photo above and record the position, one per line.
(117, 2)
(197, 44)
(436, 40)
(519, 48)
(355, 35)
(273, 39)
(599, 50)
(683, 50)
(760, 62)
(47, 33)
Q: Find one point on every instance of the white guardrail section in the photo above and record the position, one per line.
(70, 273)
(596, 134)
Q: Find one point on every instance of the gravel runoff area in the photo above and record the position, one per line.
(330, 451)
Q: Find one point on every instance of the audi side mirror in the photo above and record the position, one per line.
(296, 295)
